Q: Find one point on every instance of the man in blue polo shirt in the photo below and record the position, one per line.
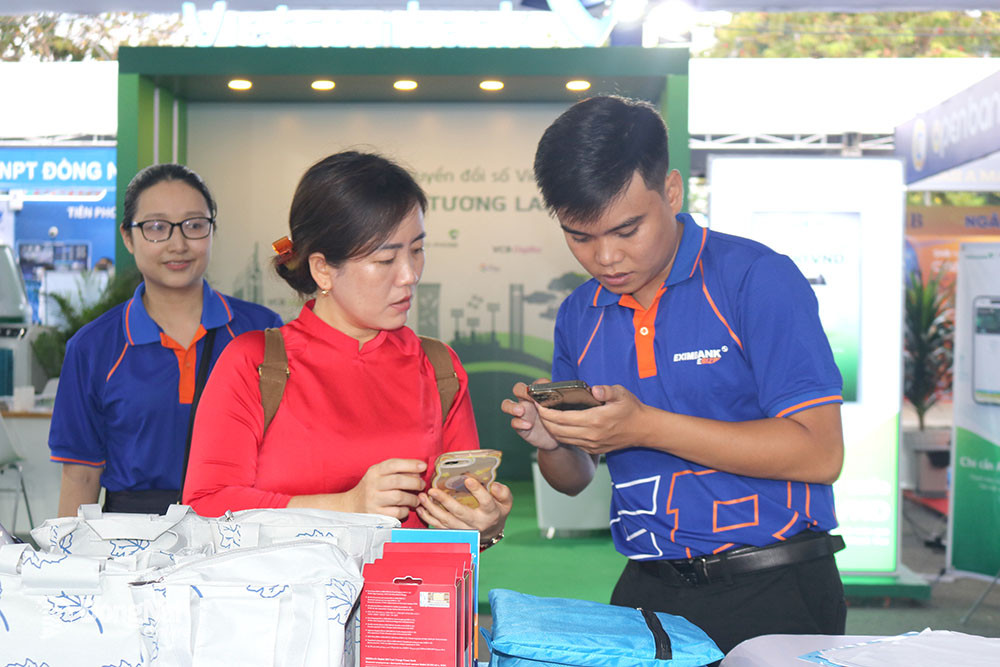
(720, 420)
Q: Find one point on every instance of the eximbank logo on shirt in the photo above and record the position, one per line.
(702, 357)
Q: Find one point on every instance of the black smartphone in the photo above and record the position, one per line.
(567, 395)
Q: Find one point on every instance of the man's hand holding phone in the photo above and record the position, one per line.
(525, 419)
(566, 395)
(614, 423)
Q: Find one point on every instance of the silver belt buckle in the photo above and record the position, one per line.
(700, 565)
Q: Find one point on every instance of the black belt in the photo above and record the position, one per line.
(807, 545)
(153, 501)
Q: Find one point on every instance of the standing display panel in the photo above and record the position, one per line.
(841, 221)
(975, 506)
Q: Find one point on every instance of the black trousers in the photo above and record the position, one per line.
(801, 598)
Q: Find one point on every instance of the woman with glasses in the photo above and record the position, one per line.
(131, 379)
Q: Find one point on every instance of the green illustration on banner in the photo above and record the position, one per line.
(497, 351)
(494, 365)
(976, 503)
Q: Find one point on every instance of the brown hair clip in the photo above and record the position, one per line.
(283, 247)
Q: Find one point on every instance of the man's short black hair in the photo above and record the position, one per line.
(588, 155)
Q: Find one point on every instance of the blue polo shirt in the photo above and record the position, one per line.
(733, 335)
(125, 390)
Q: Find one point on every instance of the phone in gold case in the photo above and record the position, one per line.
(451, 469)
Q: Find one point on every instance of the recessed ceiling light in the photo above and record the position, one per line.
(577, 85)
(405, 84)
(323, 84)
(491, 85)
(240, 84)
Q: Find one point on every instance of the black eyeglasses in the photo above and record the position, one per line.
(156, 231)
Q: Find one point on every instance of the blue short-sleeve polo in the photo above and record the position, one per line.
(734, 335)
(124, 396)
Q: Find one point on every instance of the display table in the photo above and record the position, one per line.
(784, 650)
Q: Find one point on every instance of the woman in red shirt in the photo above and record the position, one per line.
(359, 424)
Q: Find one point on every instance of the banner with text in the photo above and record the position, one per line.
(57, 167)
(975, 505)
(963, 128)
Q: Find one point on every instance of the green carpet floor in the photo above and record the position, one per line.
(584, 568)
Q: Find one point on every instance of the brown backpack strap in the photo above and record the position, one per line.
(273, 373)
(444, 372)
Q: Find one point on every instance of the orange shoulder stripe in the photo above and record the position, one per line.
(113, 368)
(806, 404)
(704, 288)
(591, 339)
(128, 329)
(225, 305)
(697, 260)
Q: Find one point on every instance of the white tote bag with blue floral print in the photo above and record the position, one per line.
(283, 605)
(151, 540)
(360, 536)
(61, 610)
(140, 540)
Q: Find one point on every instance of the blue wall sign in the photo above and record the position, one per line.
(960, 129)
(57, 167)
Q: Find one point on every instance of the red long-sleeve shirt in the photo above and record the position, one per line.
(344, 409)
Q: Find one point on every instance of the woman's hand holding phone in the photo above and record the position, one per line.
(441, 509)
(389, 488)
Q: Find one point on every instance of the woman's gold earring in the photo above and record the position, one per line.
(324, 292)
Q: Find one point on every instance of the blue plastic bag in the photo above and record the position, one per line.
(530, 631)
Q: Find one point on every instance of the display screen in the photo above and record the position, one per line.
(986, 351)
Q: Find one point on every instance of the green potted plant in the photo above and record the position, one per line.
(928, 344)
(928, 338)
(49, 346)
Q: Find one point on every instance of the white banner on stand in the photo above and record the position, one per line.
(975, 460)
(841, 222)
